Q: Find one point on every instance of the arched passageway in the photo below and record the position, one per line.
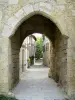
(58, 53)
(62, 13)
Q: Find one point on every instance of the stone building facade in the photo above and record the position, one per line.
(55, 19)
(27, 51)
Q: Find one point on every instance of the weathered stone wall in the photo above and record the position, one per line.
(52, 69)
(61, 12)
(14, 49)
(4, 86)
(61, 43)
(58, 59)
(71, 67)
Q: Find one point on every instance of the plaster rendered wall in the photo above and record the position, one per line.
(46, 53)
(24, 55)
(27, 50)
(32, 46)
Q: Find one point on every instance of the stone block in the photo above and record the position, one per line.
(12, 2)
(73, 12)
(12, 21)
(36, 7)
(0, 15)
(47, 6)
(20, 14)
(60, 7)
(7, 31)
(28, 9)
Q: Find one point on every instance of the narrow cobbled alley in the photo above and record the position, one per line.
(35, 85)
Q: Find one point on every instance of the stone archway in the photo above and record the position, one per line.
(15, 21)
(38, 23)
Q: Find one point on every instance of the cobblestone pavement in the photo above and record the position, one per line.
(35, 85)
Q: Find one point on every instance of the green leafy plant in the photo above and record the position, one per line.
(39, 48)
(3, 97)
(32, 60)
(28, 60)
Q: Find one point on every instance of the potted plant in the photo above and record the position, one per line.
(31, 60)
(28, 60)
